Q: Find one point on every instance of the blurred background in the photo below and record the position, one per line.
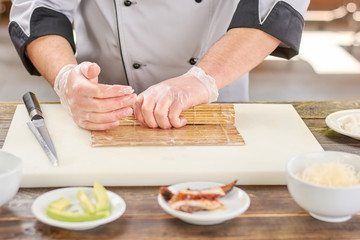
(327, 68)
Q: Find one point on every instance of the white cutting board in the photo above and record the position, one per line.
(273, 134)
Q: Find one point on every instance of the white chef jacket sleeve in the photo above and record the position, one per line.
(283, 20)
(32, 19)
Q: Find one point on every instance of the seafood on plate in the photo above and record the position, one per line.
(191, 200)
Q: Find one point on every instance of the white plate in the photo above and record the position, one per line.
(235, 202)
(334, 121)
(41, 203)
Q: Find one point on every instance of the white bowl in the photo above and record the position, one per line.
(42, 202)
(10, 176)
(330, 204)
(334, 121)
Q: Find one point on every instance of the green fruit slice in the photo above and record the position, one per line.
(75, 217)
(85, 202)
(61, 204)
(101, 197)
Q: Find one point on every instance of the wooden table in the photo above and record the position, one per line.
(273, 214)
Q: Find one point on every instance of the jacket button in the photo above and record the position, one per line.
(136, 65)
(127, 3)
(193, 61)
(198, 1)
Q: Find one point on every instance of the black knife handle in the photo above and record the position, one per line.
(32, 105)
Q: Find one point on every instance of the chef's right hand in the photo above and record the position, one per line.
(93, 106)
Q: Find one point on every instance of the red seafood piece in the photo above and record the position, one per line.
(191, 206)
(227, 187)
(166, 193)
(210, 194)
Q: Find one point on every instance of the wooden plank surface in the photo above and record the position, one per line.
(7, 111)
(273, 214)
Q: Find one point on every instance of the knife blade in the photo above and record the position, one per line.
(38, 127)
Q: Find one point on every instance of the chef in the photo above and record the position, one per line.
(153, 58)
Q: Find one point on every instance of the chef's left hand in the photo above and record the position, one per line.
(161, 105)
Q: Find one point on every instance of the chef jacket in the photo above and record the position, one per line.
(143, 42)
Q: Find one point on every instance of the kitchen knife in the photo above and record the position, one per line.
(37, 126)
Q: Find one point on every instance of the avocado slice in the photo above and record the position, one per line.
(75, 217)
(101, 197)
(61, 204)
(85, 202)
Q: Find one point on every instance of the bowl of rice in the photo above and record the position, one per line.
(326, 184)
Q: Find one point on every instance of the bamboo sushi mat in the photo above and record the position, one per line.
(208, 124)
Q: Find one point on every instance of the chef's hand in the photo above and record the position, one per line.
(161, 105)
(93, 106)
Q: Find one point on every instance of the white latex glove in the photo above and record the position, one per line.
(161, 105)
(93, 106)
